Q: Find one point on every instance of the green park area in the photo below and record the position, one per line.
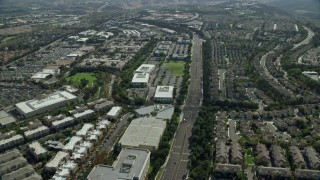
(176, 67)
(77, 78)
(249, 159)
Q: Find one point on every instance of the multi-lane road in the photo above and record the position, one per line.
(177, 164)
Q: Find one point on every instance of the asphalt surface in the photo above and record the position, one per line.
(177, 164)
(232, 131)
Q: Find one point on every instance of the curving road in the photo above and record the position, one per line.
(307, 40)
(177, 164)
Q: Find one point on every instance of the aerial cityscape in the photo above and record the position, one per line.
(159, 90)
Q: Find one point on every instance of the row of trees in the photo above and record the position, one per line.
(202, 144)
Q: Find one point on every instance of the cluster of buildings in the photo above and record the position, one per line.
(306, 161)
(141, 138)
(163, 94)
(181, 48)
(228, 160)
(72, 154)
(14, 166)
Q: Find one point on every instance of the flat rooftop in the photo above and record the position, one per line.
(145, 68)
(131, 163)
(164, 92)
(57, 97)
(140, 78)
(6, 118)
(37, 148)
(143, 132)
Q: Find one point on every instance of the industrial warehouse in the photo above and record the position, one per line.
(39, 106)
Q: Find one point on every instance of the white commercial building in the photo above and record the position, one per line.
(85, 130)
(145, 68)
(37, 150)
(74, 141)
(54, 164)
(63, 123)
(164, 94)
(39, 106)
(131, 164)
(144, 133)
(114, 112)
(36, 133)
(140, 79)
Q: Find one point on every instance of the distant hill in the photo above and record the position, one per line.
(299, 7)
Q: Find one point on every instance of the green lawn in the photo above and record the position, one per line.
(76, 79)
(176, 67)
(249, 160)
(249, 157)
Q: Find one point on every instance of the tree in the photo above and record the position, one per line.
(83, 82)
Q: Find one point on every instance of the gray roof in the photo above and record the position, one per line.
(144, 132)
(307, 173)
(131, 163)
(9, 155)
(5, 118)
(145, 110)
(297, 156)
(3, 114)
(271, 171)
(279, 159)
(227, 168)
(313, 158)
(165, 114)
(20, 173)
(13, 165)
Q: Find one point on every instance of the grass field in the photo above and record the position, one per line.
(249, 157)
(176, 67)
(76, 79)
